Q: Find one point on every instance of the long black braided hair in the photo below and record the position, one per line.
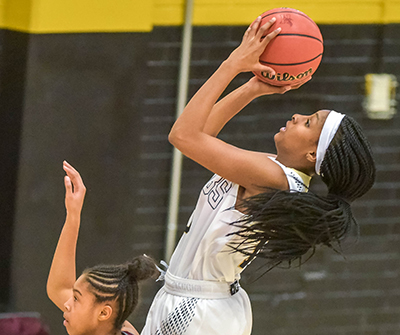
(119, 283)
(284, 226)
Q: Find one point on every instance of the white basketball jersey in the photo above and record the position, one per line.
(203, 252)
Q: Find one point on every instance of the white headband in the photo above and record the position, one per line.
(328, 131)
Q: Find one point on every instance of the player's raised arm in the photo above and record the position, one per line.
(62, 274)
(191, 132)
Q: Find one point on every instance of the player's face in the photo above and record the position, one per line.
(81, 310)
(301, 134)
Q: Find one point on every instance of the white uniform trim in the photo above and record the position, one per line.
(297, 180)
(196, 288)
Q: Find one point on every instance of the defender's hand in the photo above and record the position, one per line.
(75, 190)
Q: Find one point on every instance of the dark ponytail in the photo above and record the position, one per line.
(119, 283)
(284, 226)
(141, 268)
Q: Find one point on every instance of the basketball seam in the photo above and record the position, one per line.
(291, 64)
(302, 35)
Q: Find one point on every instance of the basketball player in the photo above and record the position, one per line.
(256, 204)
(101, 299)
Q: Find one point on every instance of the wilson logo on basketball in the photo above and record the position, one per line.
(286, 76)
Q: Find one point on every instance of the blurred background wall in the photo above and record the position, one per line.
(95, 82)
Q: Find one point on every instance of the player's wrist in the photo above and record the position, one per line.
(73, 215)
(251, 91)
(231, 66)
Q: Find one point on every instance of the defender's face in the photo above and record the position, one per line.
(81, 311)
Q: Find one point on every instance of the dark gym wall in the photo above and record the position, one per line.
(105, 102)
(81, 103)
(13, 58)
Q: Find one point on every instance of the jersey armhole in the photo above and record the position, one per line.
(295, 181)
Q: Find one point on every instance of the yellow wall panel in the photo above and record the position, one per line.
(392, 11)
(208, 13)
(168, 15)
(226, 15)
(91, 15)
(2, 12)
(344, 12)
(169, 12)
(58, 16)
(242, 12)
(17, 14)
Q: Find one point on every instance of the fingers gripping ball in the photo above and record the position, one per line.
(296, 52)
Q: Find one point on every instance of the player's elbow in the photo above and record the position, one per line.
(177, 137)
(172, 138)
(50, 291)
(185, 140)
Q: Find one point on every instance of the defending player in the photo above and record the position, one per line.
(101, 299)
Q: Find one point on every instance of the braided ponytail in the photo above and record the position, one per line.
(119, 283)
(283, 226)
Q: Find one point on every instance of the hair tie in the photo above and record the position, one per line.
(328, 131)
(342, 200)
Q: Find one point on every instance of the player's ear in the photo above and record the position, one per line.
(311, 156)
(105, 312)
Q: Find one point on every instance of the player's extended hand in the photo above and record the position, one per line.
(261, 88)
(75, 190)
(246, 57)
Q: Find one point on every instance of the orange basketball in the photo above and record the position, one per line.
(296, 52)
